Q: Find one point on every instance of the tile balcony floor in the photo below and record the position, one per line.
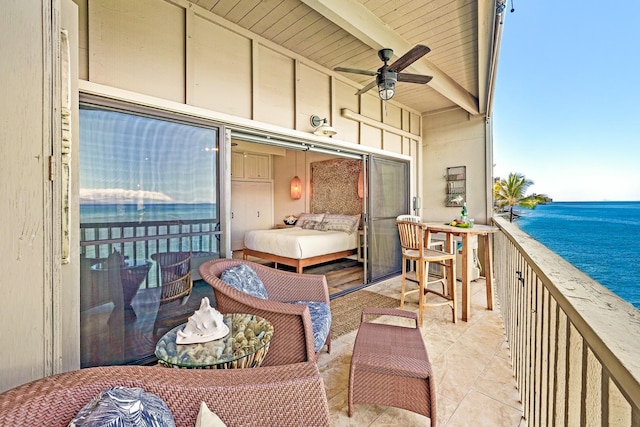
(470, 360)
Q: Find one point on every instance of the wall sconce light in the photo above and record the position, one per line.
(296, 188)
(322, 127)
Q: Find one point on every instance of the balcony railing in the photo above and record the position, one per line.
(140, 240)
(575, 346)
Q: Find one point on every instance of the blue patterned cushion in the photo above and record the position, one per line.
(320, 321)
(122, 406)
(243, 278)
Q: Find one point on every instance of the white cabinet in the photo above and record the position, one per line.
(237, 165)
(250, 166)
(257, 166)
(251, 209)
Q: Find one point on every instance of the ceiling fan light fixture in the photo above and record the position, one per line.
(386, 82)
(388, 75)
(322, 127)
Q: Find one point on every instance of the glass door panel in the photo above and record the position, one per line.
(387, 198)
(148, 199)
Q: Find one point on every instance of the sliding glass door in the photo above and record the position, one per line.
(388, 197)
(149, 197)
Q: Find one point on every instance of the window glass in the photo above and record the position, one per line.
(148, 218)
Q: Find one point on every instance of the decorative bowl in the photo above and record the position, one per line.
(290, 220)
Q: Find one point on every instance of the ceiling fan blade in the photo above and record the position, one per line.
(356, 71)
(414, 78)
(366, 88)
(409, 58)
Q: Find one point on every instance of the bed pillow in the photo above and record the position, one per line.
(313, 225)
(243, 278)
(124, 406)
(304, 217)
(337, 222)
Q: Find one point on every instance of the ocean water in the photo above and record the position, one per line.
(600, 238)
(132, 212)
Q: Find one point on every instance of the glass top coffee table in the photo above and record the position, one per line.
(245, 346)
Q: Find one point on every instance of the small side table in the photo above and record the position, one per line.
(245, 346)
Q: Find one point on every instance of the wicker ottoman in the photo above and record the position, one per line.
(390, 366)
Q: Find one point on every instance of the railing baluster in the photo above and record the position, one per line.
(573, 344)
(148, 237)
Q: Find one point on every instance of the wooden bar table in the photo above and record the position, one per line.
(482, 231)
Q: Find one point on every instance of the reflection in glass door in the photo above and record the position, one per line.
(149, 211)
(388, 197)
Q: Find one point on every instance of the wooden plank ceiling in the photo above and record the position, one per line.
(349, 33)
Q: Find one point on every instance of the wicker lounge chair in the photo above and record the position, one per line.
(293, 339)
(288, 395)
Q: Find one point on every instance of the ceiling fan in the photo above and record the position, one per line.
(388, 75)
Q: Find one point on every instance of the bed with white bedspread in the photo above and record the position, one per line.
(315, 239)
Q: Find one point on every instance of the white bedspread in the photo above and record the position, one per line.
(299, 243)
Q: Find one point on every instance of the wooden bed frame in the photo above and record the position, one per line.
(299, 264)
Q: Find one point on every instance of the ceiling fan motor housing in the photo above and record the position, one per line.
(385, 54)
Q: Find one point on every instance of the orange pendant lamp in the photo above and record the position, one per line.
(296, 184)
(296, 188)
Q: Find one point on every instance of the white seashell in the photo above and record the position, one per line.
(206, 324)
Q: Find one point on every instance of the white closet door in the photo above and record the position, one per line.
(251, 209)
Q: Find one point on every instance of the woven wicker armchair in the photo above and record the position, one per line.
(288, 395)
(292, 340)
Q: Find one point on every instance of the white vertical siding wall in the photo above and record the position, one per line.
(178, 51)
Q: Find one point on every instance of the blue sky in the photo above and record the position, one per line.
(126, 158)
(566, 110)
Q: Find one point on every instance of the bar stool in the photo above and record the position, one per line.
(415, 248)
(434, 244)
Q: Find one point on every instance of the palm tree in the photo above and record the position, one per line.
(511, 192)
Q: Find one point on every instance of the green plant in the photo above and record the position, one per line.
(512, 192)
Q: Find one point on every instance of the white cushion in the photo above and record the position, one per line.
(206, 418)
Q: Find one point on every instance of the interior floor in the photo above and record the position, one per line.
(343, 274)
